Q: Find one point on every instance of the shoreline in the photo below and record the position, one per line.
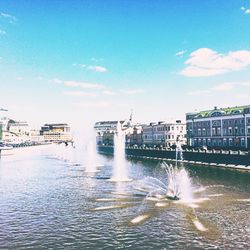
(232, 160)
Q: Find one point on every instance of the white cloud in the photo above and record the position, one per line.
(56, 80)
(207, 62)
(79, 65)
(100, 69)
(224, 86)
(96, 59)
(80, 93)
(84, 85)
(19, 78)
(95, 68)
(180, 53)
(132, 91)
(245, 10)
(8, 17)
(2, 32)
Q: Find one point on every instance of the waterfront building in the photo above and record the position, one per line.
(105, 130)
(134, 137)
(56, 132)
(20, 128)
(14, 132)
(219, 128)
(35, 136)
(164, 133)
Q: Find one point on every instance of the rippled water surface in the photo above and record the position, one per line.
(48, 201)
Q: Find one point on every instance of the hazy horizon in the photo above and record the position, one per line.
(83, 61)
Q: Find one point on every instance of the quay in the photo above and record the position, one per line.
(228, 159)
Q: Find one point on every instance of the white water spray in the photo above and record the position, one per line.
(91, 161)
(179, 153)
(120, 167)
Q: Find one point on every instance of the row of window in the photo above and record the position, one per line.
(161, 137)
(163, 128)
(220, 142)
(218, 122)
(217, 131)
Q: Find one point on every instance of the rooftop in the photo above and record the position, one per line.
(221, 111)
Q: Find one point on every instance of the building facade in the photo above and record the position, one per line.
(219, 128)
(56, 132)
(134, 137)
(14, 132)
(105, 130)
(164, 134)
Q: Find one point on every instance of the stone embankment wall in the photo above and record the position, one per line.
(222, 158)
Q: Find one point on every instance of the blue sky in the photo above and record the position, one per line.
(82, 61)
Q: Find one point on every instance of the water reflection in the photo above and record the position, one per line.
(46, 202)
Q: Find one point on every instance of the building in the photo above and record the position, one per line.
(134, 137)
(164, 134)
(219, 128)
(20, 128)
(105, 130)
(14, 132)
(56, 132)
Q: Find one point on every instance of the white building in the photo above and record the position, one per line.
(56, 132)
(105, 130)
(14, 132)
(164, 134)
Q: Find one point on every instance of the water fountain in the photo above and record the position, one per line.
(179, 153)
(91, 166)
(120, 168)
(177, 186)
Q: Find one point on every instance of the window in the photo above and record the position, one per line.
(203, 131)
(236, 130)
(218, 131)
(224, 131)
(213, 131)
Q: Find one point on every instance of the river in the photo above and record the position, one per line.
(47, 202)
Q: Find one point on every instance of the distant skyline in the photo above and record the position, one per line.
(84, 61)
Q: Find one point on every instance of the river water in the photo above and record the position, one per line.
(48, 201)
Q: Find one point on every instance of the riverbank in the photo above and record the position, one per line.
(228, 159)
(8, 150)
